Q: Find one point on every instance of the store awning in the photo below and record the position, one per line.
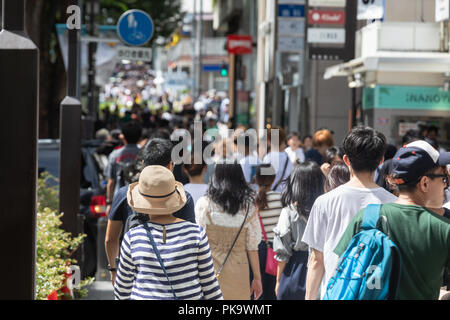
(391, 61)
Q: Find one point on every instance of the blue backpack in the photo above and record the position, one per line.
(370, 267)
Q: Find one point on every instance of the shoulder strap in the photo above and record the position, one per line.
(262, 228)
(208, 213)
(371, 216)
(234, 242)
(155, 249)
(255, 214)
(284, 171)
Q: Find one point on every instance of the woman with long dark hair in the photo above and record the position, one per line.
(269, 209)
(229, 216)
(305, 184)
(339, 174)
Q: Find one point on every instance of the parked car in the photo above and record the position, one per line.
(92, 196)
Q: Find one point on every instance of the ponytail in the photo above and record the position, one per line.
(261, 197)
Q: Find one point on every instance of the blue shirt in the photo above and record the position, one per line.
(314, 155)
(120, 210)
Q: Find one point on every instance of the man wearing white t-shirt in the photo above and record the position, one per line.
(278, 159)
(294, 151)
(332, 212)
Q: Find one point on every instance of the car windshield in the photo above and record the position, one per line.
(48, 160)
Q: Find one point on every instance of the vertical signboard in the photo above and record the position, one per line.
(370, 9)
(326, 17)
(442, 10)
(291, 26)
(326, 38)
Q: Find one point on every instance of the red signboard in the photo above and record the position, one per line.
(239, 44)
(326, 17)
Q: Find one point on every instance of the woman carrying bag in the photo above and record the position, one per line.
(305, 184)
(167, 257)
(269, 209)
(229, 216)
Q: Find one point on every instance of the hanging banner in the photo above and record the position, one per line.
(370, 9)
(442, 10)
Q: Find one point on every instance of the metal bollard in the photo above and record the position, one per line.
(102, 273)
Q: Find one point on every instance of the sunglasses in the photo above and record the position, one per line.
(443, 176)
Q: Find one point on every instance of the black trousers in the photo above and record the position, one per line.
(268, 281)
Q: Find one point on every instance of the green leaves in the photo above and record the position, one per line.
(54, 246)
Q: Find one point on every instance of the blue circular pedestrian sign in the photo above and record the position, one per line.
(135, 27)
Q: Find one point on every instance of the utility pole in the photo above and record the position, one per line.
(194, 53)
(19, 92)
(199, 35)
(260, 72)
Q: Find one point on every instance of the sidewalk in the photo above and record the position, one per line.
(100, 290)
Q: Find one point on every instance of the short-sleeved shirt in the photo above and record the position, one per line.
(120, 210)
(298, 154)
(127, 154)
(248, 165)
(330, 215)
(314, 155)
(197, 190)
(423, 238)
(278, 160)
(271, 214)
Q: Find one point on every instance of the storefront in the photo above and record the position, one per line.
(394, 110)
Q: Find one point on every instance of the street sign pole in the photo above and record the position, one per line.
(70, 145)
(232, 87)
(19, 89)
(92, 49)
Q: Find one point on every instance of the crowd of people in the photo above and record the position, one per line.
(270, 223)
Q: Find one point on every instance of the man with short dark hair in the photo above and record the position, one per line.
(422, 235)
(121, 159)
(332, 212)
(294, 149)
(278, 158)
(156, 152)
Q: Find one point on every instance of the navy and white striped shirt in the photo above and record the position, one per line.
(186, 257)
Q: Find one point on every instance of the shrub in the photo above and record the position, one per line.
(54, 245)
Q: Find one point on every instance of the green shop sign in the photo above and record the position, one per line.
(403, 97)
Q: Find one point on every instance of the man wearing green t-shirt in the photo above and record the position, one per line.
(422, 236)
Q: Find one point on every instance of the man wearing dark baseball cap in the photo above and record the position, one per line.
(422, 236)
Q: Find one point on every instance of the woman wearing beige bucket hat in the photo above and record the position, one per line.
(167, 257)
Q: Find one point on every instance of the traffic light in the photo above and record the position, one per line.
(224, 70)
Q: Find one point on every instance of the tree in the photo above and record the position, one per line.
(40, 19)
(41, 16)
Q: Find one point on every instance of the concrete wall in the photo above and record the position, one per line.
(330, 100)
(410, 10)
